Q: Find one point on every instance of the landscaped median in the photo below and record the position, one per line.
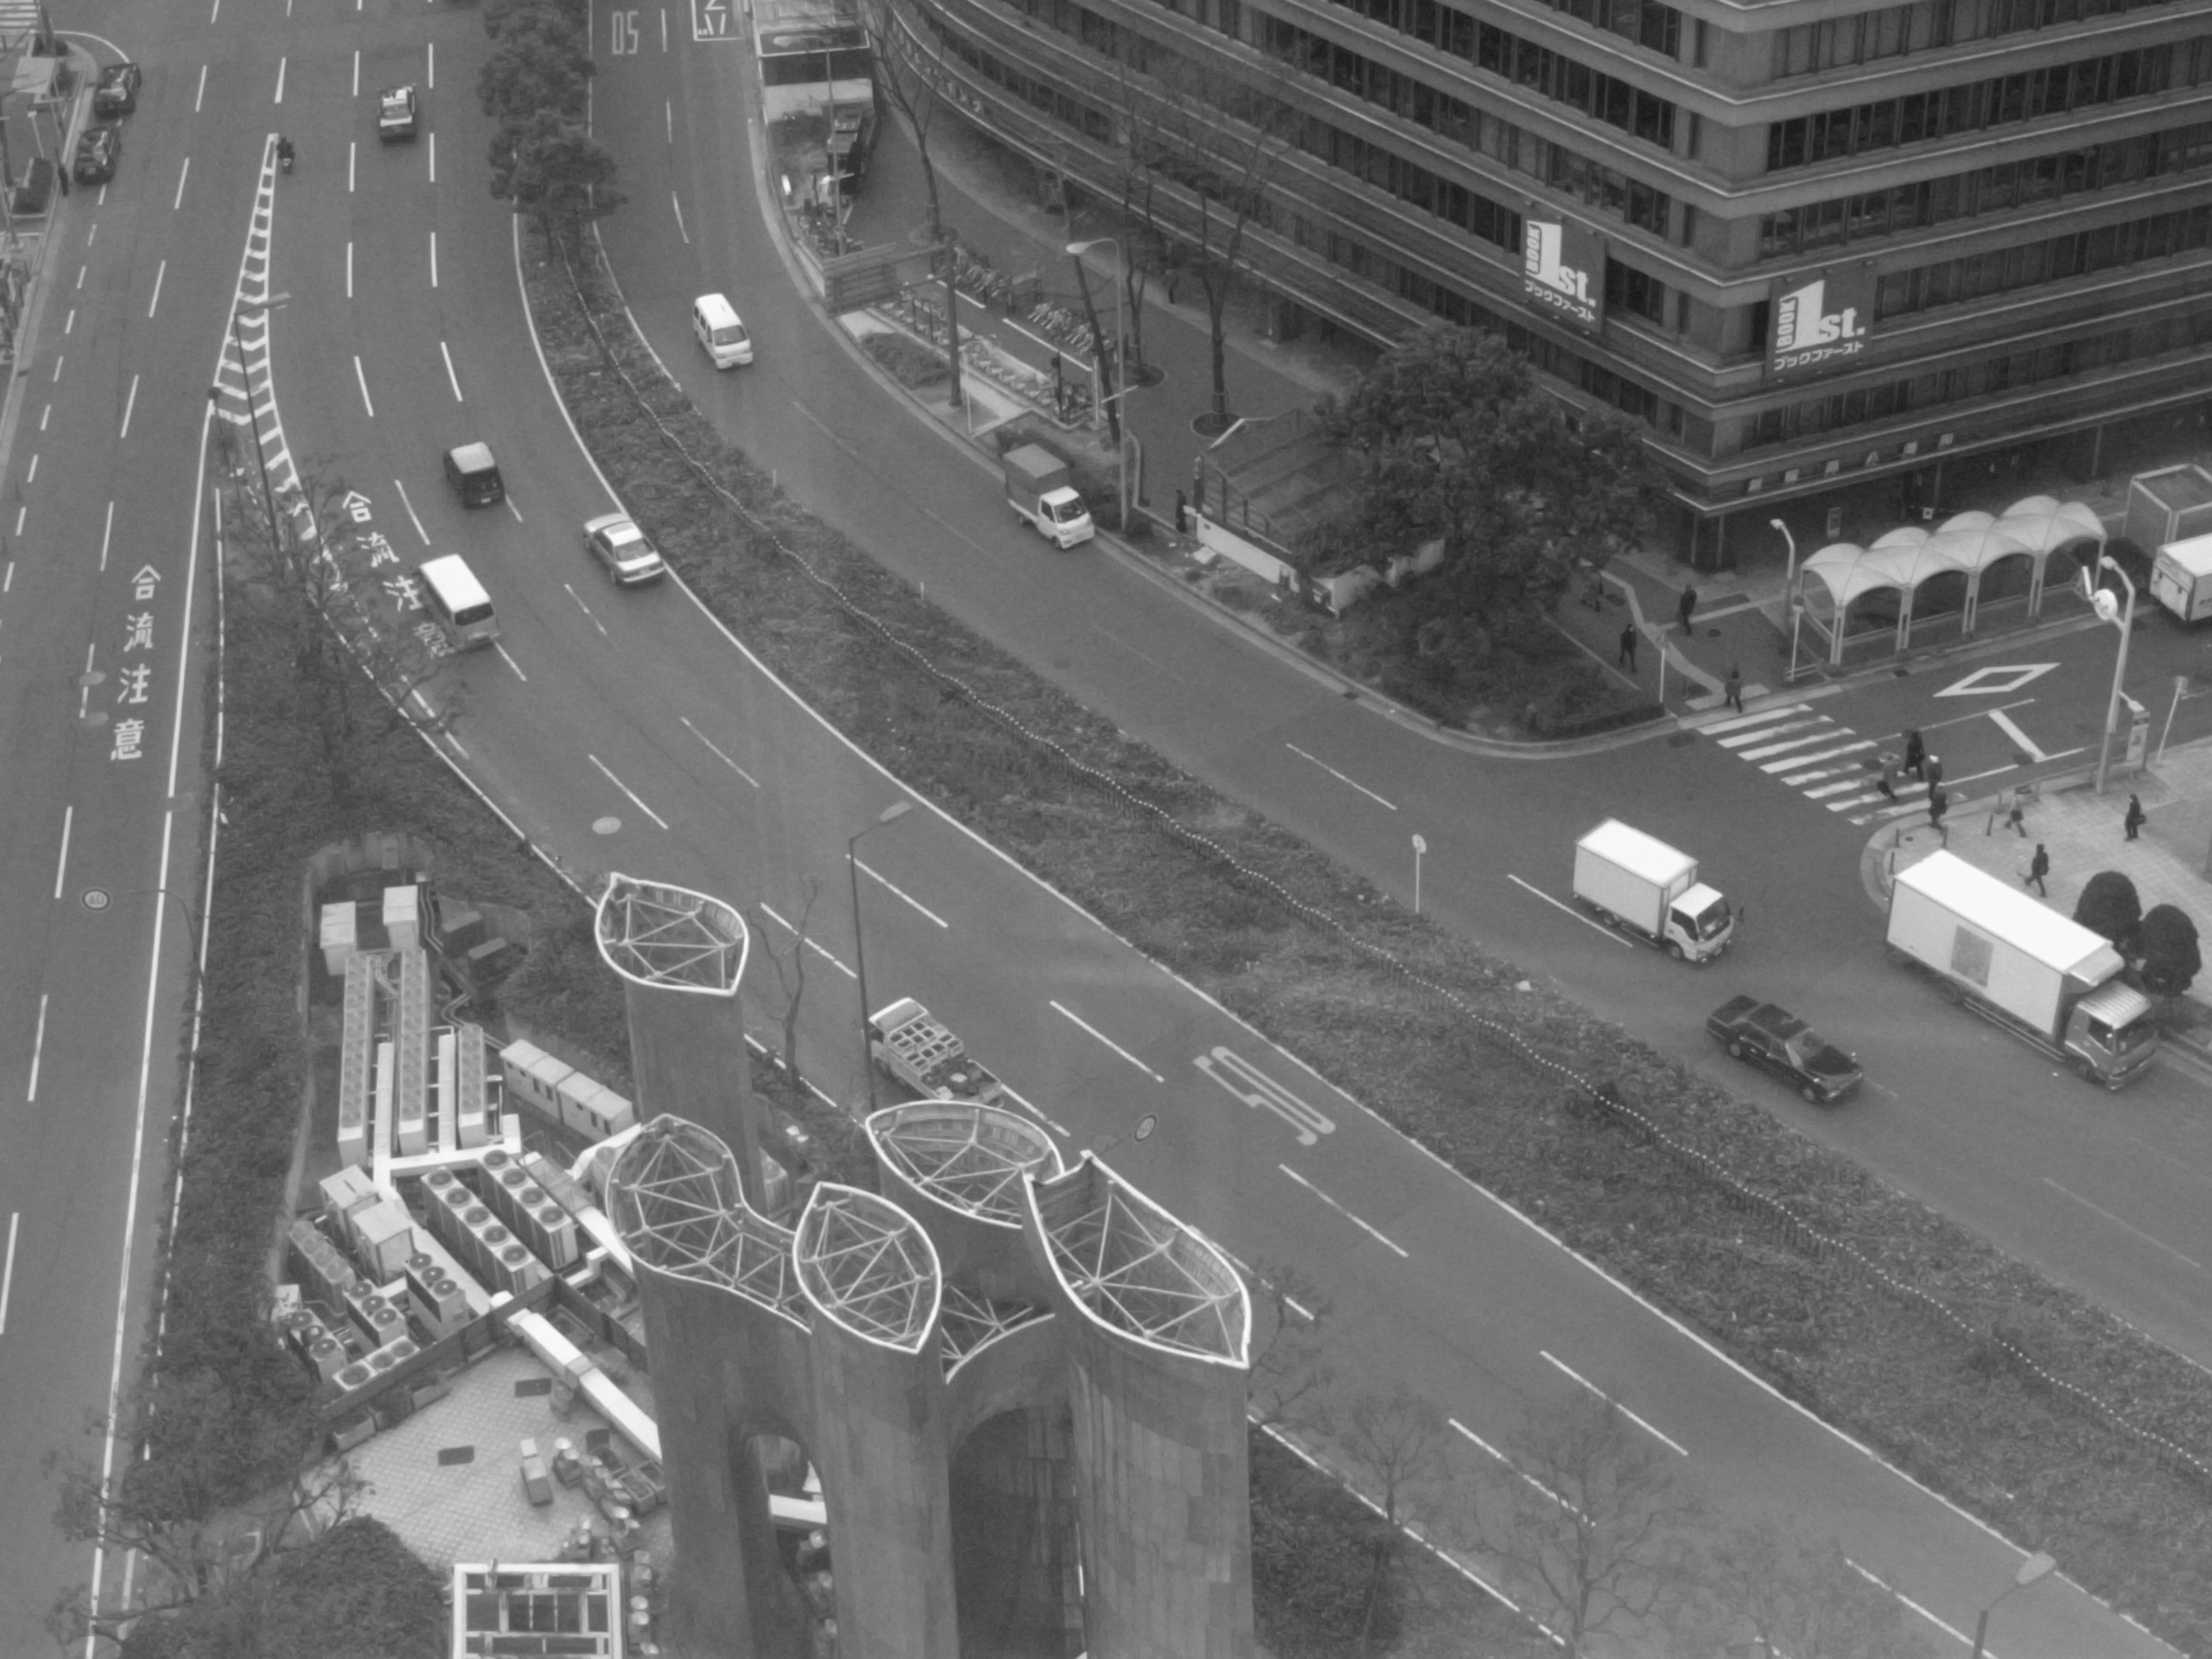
(2049, 1419)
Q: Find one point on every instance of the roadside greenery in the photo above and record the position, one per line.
(220, 1415)
(1973, 1374)
(534, 84)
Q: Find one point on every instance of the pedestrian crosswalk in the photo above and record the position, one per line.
(1822, 759)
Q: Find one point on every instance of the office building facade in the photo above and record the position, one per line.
(1819, 249)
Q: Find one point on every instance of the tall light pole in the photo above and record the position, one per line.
(897, 809)
(2030, 1569)
(1121, 339)
(252, 413)
(1789, 570)
(2108, 610)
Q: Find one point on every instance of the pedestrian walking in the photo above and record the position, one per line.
(1735, 687)
(1916, 753)
(2137, 817)
(2037, 868)
(1183, 515)
(1686, 605)
(61, 174)
(1886, 780)
(1627, 647)
(1932, 770)
(1939, 803)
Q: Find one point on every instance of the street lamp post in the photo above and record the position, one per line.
(2030, 1569)
(1120, 338)
(1789, 570)
(252, 413)
(2108, 610)
(897, 809)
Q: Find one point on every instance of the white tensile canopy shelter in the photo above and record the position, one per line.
(1974, 546)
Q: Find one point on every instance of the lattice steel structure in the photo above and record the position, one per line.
(1049, 1342)
(682, 956)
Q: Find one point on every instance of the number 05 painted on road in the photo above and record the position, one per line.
(1256, 1088)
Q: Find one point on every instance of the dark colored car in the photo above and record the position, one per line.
(475, 476)
(116, 92)
(1775, 1040)
(97, 153)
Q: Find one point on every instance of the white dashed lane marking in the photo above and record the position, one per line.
(1822, 759)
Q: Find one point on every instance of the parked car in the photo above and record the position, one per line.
(396, 113)
(1775, 1040)
(624, 550)
(97, 153)
(116, 92)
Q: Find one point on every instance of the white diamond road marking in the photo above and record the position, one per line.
(1791, 742)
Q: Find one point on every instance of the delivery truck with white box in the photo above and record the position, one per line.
(2023, 966)
(1644, 886)
(1038, 488)
(2181, 578)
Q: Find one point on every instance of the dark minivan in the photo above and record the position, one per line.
(474, 475)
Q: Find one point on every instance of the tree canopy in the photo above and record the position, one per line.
(2108, 905)
(1453, 437)
(543, 158)
(2170, 958)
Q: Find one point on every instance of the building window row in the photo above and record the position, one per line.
(1641, 114)
(1867, 37)
(1641, 205)
(1951, 282)
(1839, 411)
(1646, 22)
(1388, 172)
(1999, 101)
(1997, 189)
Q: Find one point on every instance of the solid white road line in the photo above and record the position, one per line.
(625, 788)
(1339, 776)
(719, 755)
(1568, 1370)
(61, 864)
(1587, 921)
(897, 892)
(1084, 1025)
(2018, 737)
(1379, 1236)
(814, 945)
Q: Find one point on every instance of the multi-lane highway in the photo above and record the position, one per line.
(625, 730)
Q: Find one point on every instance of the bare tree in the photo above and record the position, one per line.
(171, 1506)
(340, 594)
(1289, 1374)
(1589, 1525)
(1399, 1447)
(790, 966)
(1767, 1594)
(1222, 140)
(903, 77)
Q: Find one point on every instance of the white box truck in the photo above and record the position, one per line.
(1038, 489)
(2022, 965)
(1639, 883)
(2181, 578)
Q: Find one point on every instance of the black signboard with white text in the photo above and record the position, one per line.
(1822, 321)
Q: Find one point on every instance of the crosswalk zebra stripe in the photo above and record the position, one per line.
(1851, 748)
(1788, 743)
(1742, 721)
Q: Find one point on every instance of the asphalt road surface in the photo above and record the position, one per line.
(623, 731)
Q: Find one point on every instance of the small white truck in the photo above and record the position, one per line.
(2181, 578)
(915, 1047)
(1038, 490)
(2022, 966)
(1639, 883)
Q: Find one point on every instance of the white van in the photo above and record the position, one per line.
(2181, 579)
(457, 602)
(721, 332)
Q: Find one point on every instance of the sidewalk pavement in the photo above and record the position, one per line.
(2084, 834)
(979, 201)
